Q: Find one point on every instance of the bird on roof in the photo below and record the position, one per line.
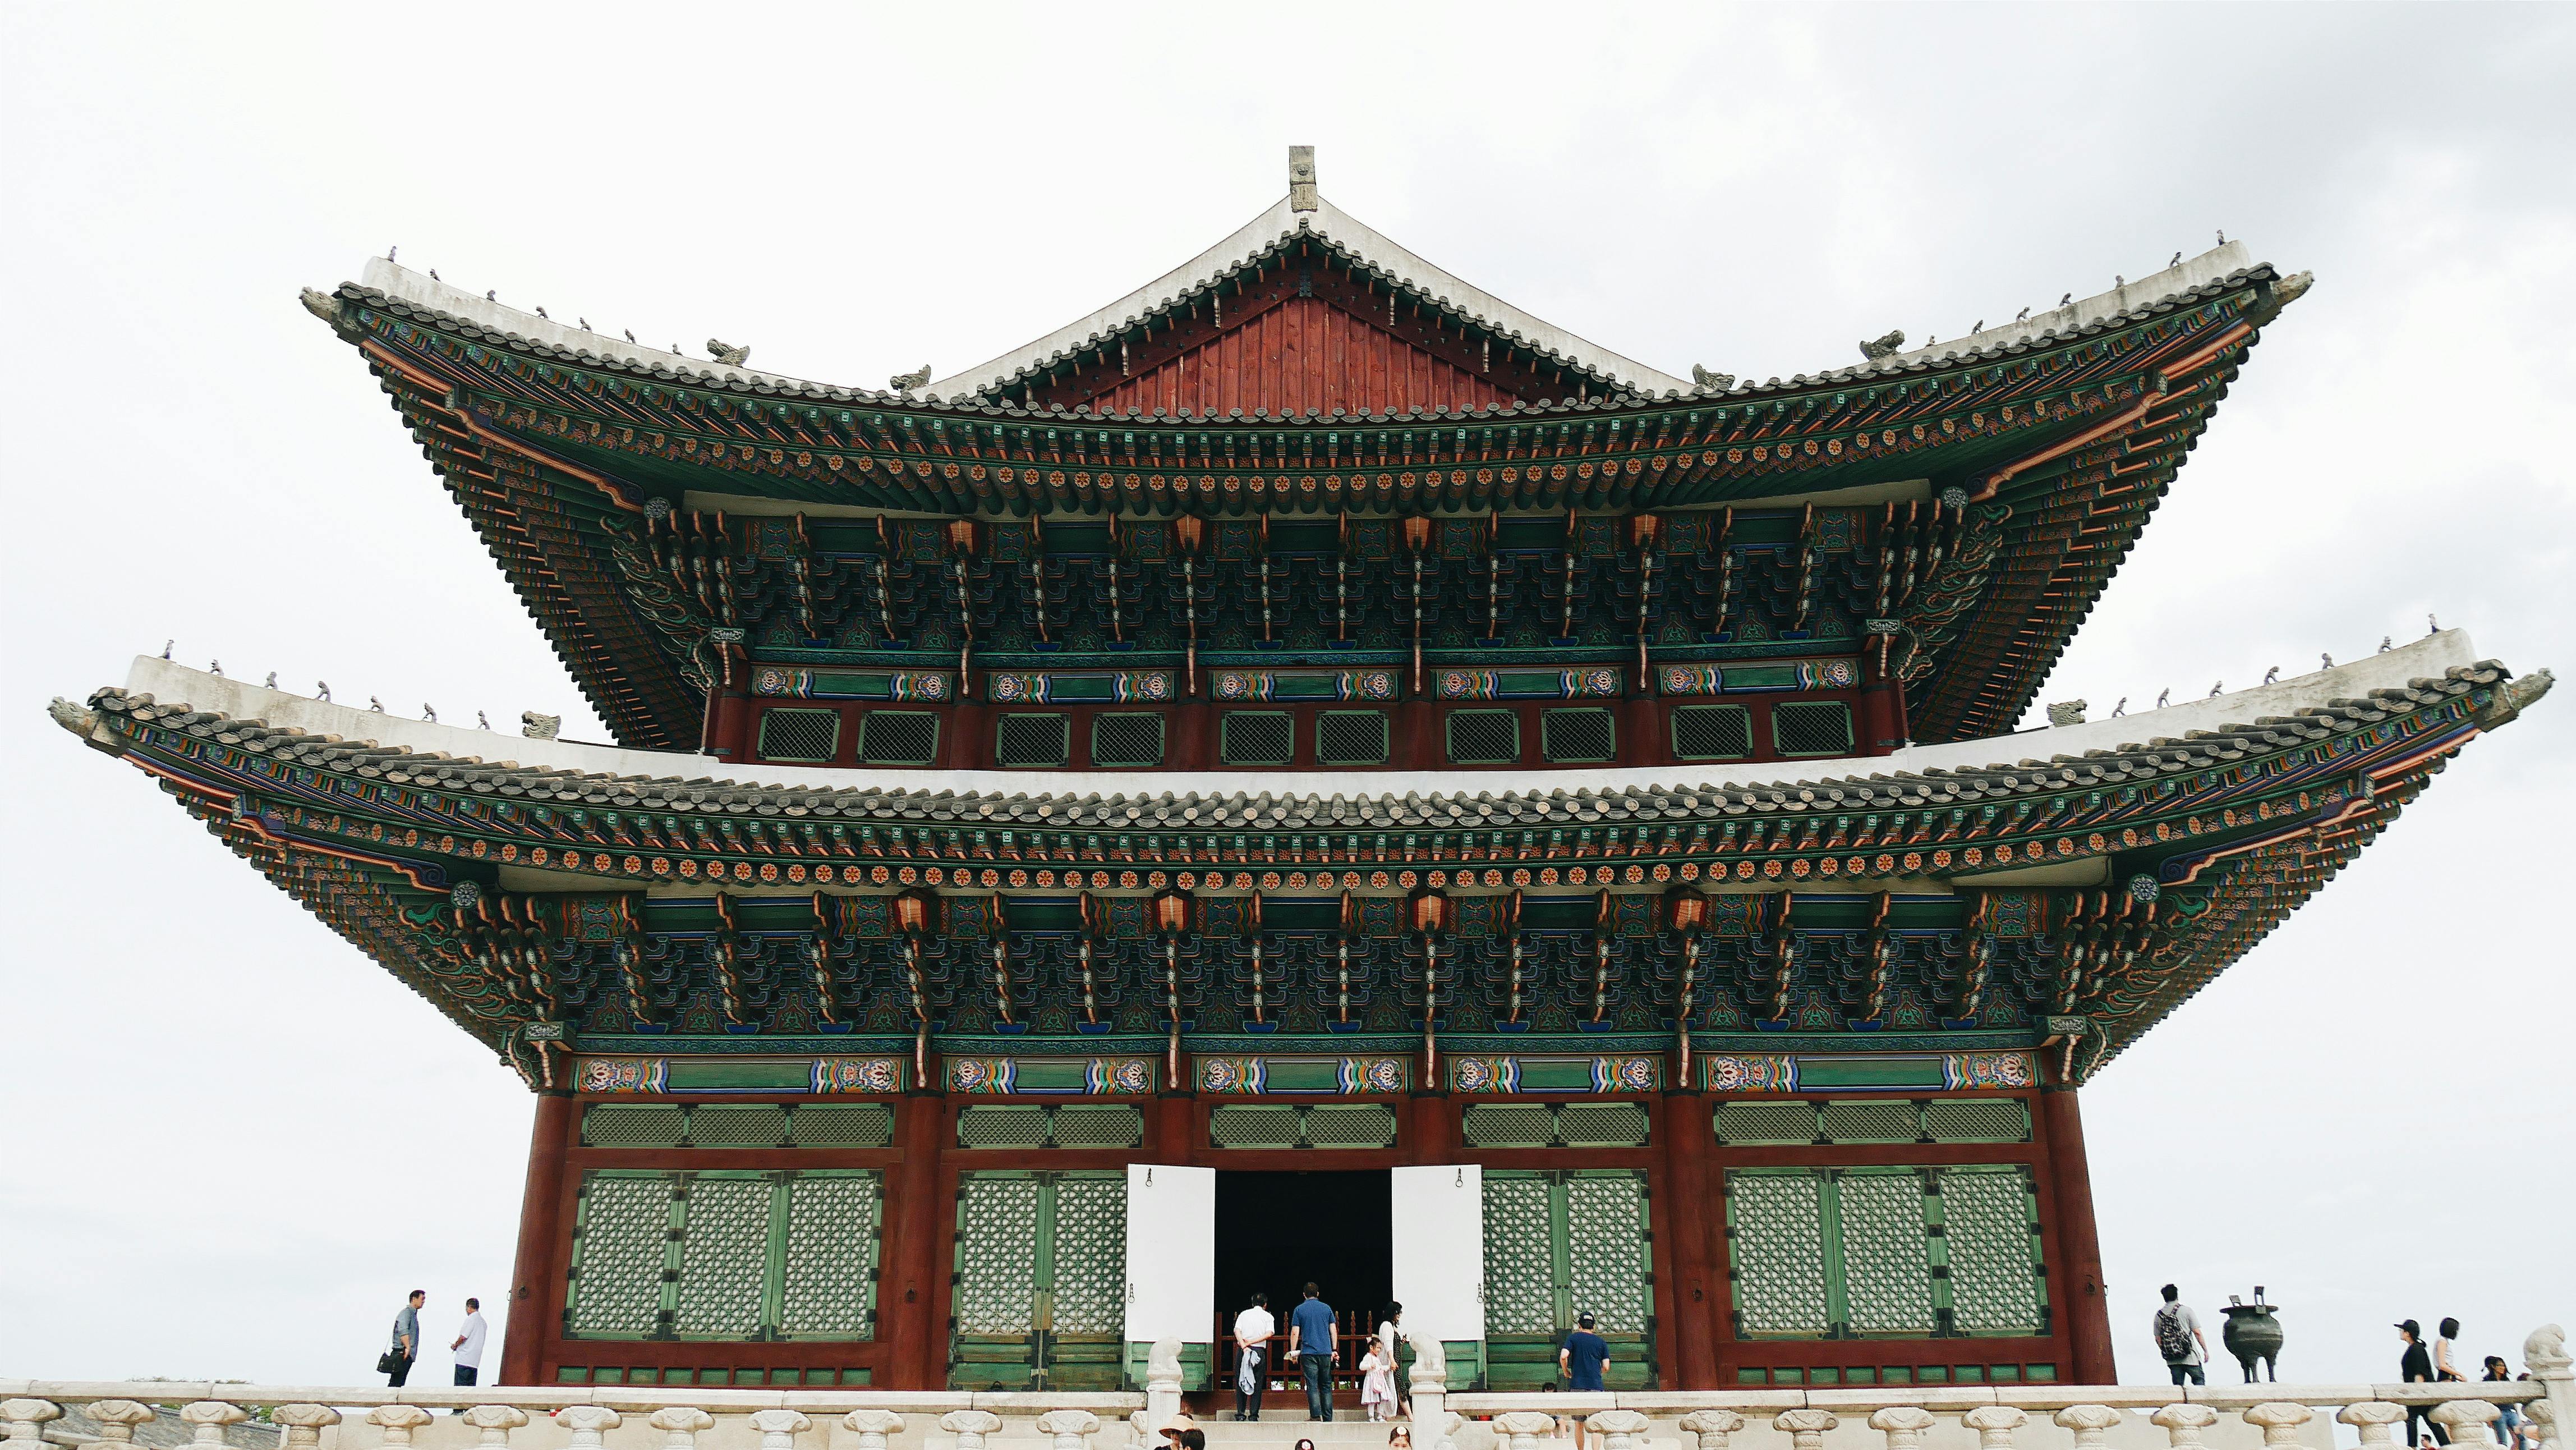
(2022, 316)
(541, 312)
(491, 294)
(389, 253)
(1710, 380)
(2069, 297)
(215, 668)
(906, 382)
(375, 704)
(584, 321)
(2163, 695)
(2116, 280)
(2121, 708)
(1980, 327)
(2431, 625)
(482, 721)
(165, 647)
(2217, 688)
(322, 691)
(2327, 658)
(630, 334)
(2222, 236)
(2383, 644)
(2271, 674)
(434, 277)
(1885, 346)
(676, 349)
(429, 712)
(272, 680)
(728, 354)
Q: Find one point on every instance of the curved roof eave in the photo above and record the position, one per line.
(2431, 657)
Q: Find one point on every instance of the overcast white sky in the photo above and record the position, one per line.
(228, 1144)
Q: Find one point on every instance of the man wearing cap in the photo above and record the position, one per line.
(1583, 1356)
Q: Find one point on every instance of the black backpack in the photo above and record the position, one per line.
(2172, 1340)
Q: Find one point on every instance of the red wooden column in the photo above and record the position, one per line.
(537, 1280)
(1688, 1140)
(2087, 1310)
(1171, 1128)
(1434, 1129)
(909, 1295)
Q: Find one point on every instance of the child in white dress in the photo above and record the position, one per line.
(1377, 1382)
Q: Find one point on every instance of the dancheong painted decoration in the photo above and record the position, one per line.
(1311, 738)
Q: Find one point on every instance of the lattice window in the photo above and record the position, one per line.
(735, 1125)
(1362, 1125)
(1091, 1254)
(724, 1257)
(1758, 1123)
(1887, 1280)
(997, 1253)
(1520, 1291)
(1878, 1120)
(1601, 1125)
(1775, 1232)
(1977, 1120)
(622, 1242)
(844, 1125)
(1991, 1232)
(813, 736)
(1577, 736)
(1484, 737)
(1126, 740)
(1250, 1126)
(1013, 1127)
(618, 1126)
(899, 737)
(1099, 1127)
(1256, 737)
(1507, 1125)
(1812, 727)
(1350, 737)
(1712, 732)
(1605, 1217)
(828, 1270)
(1022, 742)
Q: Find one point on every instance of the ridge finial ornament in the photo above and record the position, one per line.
(1302, 195)
(1886, 346)
(906, 382)
(728, 354)
(1709, 381)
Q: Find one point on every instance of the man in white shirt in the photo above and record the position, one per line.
(469, 1343)
(1252, 1330)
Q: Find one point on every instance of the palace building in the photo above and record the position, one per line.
(1310, 772)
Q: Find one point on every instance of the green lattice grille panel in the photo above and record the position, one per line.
(807, 735)
(1775, 1231)
(1254, 1126)
(898, 737)
(1508, 1125)
(1822, 727)
(1360, 1125)
(828, 1266)
(1887, 1280)
(1484, 737)
(1601, 1125)
(623, 1241)
(1577, 736)
(617, 1126)
(724, 1257)
(1712, 732)
(1091, 1254)
(738, 1126)
(1873, 1120)
(1256, 737)
(1023, 741)
(1992, 1235)
(844, 1125)
(1520, 1290)
(1605, 1214)
(1013, 1127)
(1099, 1127)
(1977, 1120)
(1129, 740)
(997, 1253)
(1350, 737)
(1757, 1124)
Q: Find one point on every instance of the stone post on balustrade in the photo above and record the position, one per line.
(2279, 1420)
(207, 1419)
(2089, 1422)
(679, 1424)
(2183, 1424)
(398, 1421)
(779, 1429)
(1068, 1429)
(970, 1427)
(116, 1420)
(1994, 1425)
(1524, 1429)
(26, 1419)
(587, 1423)
(1711, 1427)
(1430, 1386)
(304, 1424)
(1902, 1424)
(1805, 1427)
(2467, 1420)
(2372, 1419)
(1162, 1384)
(2545, 1355)
(871, 1426)
(1619, 1429)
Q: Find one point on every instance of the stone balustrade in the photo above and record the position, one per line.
(1921, 1417)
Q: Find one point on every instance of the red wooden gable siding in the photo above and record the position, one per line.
(1303, 353)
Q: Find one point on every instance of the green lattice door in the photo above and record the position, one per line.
(1038, 1298)
(1887, 1253)
(724, 1255)
(1558, 1244)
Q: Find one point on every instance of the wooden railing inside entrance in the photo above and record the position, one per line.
(1351, 1331)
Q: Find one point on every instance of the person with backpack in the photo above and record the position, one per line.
(2179, 1340)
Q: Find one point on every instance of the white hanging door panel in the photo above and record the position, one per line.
(1439, 1243)
(1171, 1253)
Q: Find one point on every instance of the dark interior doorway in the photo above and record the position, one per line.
(1275, 1231)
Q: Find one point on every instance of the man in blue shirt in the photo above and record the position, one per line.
(1310, 1343)
(1583, 1356)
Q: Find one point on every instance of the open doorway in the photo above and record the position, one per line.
(1276, 1231)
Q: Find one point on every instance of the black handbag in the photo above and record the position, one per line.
(389, 1361)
